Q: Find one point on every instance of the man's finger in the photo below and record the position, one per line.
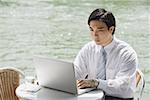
(82, 86)
(81, 83)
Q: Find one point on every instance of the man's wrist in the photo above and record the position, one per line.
(95, 83)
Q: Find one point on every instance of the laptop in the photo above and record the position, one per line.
(57, 74)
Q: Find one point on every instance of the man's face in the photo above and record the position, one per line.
(100, 32)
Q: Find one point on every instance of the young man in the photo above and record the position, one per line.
(106, 62)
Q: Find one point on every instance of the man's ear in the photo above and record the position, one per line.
(111, 29)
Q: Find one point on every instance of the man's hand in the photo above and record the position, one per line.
(87, 83)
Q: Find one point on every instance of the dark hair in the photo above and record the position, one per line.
(104, 16)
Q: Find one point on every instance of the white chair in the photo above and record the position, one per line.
(140, 82)
(9, 81)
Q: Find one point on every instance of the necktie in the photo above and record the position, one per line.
(101, 70)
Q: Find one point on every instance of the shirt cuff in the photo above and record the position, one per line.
(102, 84)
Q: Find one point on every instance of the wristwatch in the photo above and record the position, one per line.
(95, 83)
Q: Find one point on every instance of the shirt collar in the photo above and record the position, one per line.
(110, 46)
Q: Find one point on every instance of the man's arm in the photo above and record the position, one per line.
(122, 85)
(80, 64)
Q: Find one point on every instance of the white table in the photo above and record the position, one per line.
(50, 94)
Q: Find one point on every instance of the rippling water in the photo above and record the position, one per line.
(58, 29)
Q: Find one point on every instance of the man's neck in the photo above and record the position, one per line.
(108, 42)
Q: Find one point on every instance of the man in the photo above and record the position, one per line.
(106, 63)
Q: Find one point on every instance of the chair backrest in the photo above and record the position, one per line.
(9, 81)
(140, 78)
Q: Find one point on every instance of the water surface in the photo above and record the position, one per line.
(58, 29)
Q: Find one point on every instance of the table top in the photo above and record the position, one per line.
(41, 93)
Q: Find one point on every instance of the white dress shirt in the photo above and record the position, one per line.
(120, 67)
